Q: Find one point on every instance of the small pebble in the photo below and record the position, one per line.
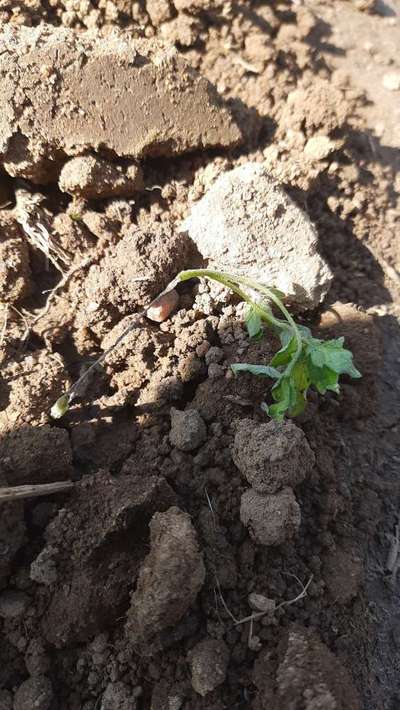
(391, 81)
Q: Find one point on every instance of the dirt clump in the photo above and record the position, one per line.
(13, 604)
(101, 533)
(128, 276)
(91, 177)
(188, 430)
(270, 519)
(15, 272)
(170, 578)
(12, 533)
(36, 455)
(219, 553)
(318, 106)
(117, 696)
(51, 78)
(272, 455)
(36, 692)
(30, 386)
(209, 663)
(247, 224)
(343, 571)
(308, 676)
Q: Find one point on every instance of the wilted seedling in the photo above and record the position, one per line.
(302, 362)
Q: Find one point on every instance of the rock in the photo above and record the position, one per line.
(188, 430)
(208, 662)
(270, 519)
(68, 93)
(93, 178)
(13, 604)
(102, 533)
(36, 455)
(15, 273)
(170, 578)
(308, 676)
(44, 568)
(272, 455)
(163, 306)
(117, 696)
(319, 147)
(34, 694)
(247, 224)
(391, 81)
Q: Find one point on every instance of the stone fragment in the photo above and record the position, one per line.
(188, 430)
(246, 224)
(208, 662)
(91, 177)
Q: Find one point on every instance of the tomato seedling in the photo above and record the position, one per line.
(302, 361)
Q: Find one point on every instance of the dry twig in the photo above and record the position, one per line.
(34, 490)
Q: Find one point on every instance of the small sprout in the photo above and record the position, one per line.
(75, 216)
(302, 362)
(60, 407)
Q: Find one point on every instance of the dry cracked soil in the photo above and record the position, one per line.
(205, 556)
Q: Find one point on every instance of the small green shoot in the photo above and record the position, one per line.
(302, 362)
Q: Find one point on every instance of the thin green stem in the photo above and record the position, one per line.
(232, 281)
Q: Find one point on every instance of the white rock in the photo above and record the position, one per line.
(247, 224)
(391, 81)
(319, 147)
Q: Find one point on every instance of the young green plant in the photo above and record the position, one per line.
(302, 361)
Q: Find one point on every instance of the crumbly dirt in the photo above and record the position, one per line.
(133, 590)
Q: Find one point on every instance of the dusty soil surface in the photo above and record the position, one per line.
(205, 557)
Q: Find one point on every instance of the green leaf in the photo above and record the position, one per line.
(332, 354)
(284, 396)
(261, 370)
(323, 378)
(285, 354)
(253, 323)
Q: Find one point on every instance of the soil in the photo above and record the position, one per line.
(190, 512)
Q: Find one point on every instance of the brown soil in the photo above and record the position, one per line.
(190, 512)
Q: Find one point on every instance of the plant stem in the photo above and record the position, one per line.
(232, 282)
